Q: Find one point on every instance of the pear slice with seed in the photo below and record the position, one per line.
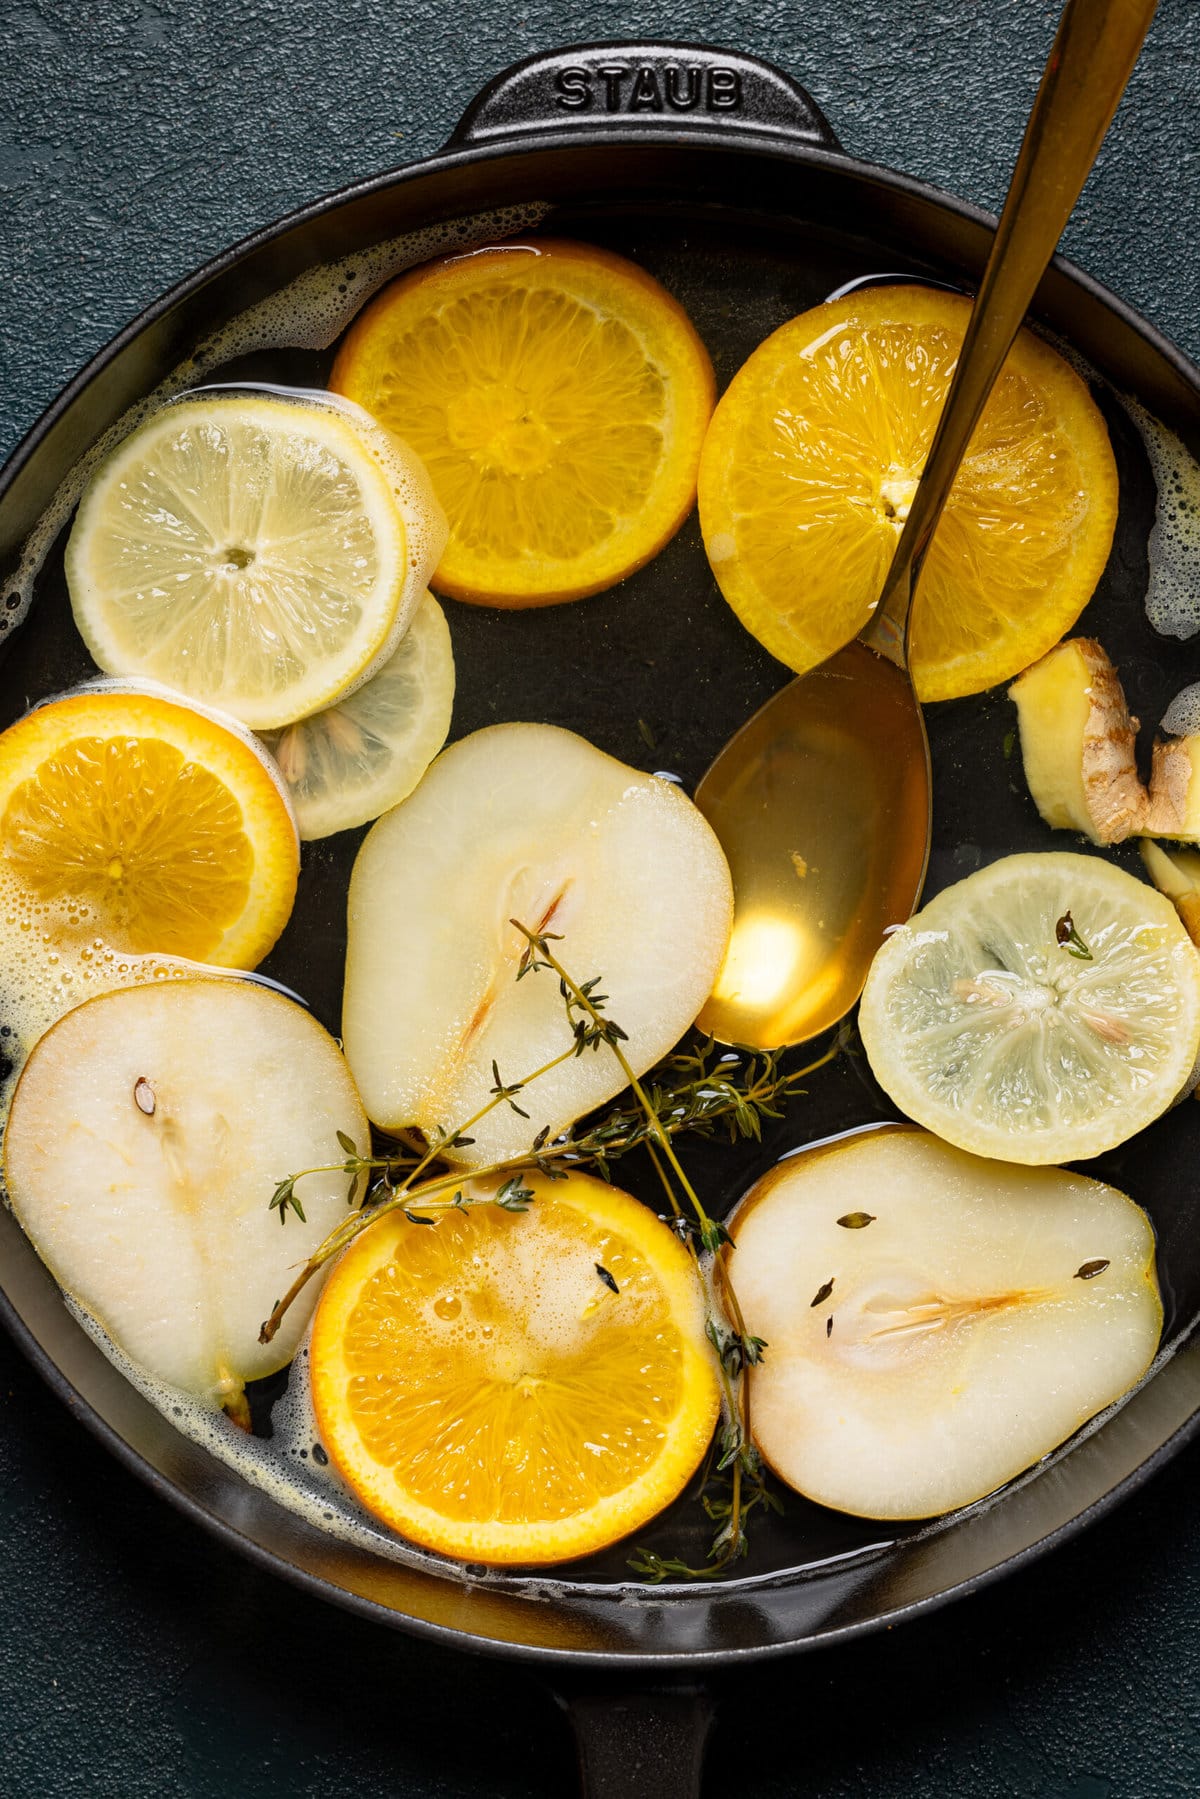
(148, 1130)
(919, 1360)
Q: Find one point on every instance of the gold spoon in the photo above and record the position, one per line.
(822, 801)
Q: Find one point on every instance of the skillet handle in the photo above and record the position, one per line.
(644, 1743)
(649, 89)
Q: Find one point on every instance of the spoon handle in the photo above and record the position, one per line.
(1090, 61)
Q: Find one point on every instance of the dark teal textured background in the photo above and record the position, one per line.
(137, 1658)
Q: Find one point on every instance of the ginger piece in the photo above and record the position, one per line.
(1176, 873)
(1077, 744)
(1174, 809)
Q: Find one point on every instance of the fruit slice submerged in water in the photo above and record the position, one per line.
(356, 759)
(148, 1131)
(486, 1391)
(527, 822)
(558, 397)
(253, 552)
(149, 823)
(814, 454)
(935, 1323)
(1045, 1009)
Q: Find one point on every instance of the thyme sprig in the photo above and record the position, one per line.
(707, 1090)
(735, 1348)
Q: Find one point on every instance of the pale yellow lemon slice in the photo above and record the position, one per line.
(247, 550)
(1045, 1009)
(366, 753)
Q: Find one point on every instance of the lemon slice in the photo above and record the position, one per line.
(812, 460)
(516, 1388)
(1042, 1010)
(250, 551)
(353, 761)
(558, 397)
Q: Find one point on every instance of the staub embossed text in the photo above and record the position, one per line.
(641, 87)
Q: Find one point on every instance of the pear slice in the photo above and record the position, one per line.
(1078, 743)
(148, 1131)
(935, 1323)
(527, 822)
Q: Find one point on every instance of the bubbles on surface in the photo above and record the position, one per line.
(50, 962)
(309, 313)
(1182, 716)
(1173, 592)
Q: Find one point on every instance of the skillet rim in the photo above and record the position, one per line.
(455, 156)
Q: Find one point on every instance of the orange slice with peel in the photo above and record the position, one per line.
(558, 397)
(812, 460)
(150, 825)
(516, 1388)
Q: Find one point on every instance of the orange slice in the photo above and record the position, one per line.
(812, 460)
(127, 817)
(483, 1389)
(558, 397)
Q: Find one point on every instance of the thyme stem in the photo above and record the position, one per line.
(700, 1095)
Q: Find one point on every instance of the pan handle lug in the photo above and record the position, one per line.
(654, 90)
(643, 1743)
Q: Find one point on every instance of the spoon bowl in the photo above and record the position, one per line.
(822, 805)
(822, 801)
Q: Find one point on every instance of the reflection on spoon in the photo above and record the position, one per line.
(823, 812)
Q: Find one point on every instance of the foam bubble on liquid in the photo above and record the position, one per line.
(292, 1468)
(1182, 716)
(309, 313)
(53, 956)
(284, 1466)
(1173, 593)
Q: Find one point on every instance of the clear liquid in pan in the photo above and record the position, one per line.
(660, 657)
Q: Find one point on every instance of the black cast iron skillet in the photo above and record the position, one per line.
(720, 175)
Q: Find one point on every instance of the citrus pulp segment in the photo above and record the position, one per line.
(1043, 1010)
(244, 549)
(558, 397)
(145, 823)
(484, 1390)
(351, 762)
(812, 460)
